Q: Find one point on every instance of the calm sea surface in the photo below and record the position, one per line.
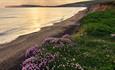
(15, 22)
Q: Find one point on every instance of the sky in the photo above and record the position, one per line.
(37, 2)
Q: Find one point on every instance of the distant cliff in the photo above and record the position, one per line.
(85, 3)
(14, 57)
(24, 6)
(77, 4)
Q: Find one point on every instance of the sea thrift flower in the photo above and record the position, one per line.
(32, 52)
(50, 57)
(30, 64)
(55, 40)
(58, 42)
(48, 40)
(45, 61)
(34, 63)
(78, 67)
(66, 36)
(29, 60)
(65, 40)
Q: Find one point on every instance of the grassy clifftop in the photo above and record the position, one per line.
(96, 45)
(91, 48)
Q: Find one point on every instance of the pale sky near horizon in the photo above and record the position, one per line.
(38, 2)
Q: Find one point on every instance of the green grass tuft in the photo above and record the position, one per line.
(96, 48)
(100, 23)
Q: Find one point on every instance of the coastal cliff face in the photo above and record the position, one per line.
(9, 62)
(101, 7)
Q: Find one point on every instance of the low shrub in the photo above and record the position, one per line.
(99, 23)
(51, 57)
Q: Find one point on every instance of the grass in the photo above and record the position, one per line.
(100, 23)
(96, 54)
(94, 48)
(91, 54)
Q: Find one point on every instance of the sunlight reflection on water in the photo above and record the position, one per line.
(15, 22)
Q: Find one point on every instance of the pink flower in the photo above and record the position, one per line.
(29, 60)
(32, 52)
(65, 40)
(66, 36)
(58, 42)
(31, 66)
(48, 40)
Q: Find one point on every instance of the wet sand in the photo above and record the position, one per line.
(11, 52)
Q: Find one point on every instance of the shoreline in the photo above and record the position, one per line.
(12, 54)
(71, 12)
(14, 50)
(76, 4)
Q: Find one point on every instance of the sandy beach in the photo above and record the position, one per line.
(11, 52)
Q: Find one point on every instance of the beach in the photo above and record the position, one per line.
(13, 51)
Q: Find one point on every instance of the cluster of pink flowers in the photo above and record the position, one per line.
(58, 42)
(36, 60)
(32, 52)
(30, 64)
(44, 61)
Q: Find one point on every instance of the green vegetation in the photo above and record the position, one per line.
(95, 54)
(67, 58)
(93, 47)
(96, 47)
(100, 23)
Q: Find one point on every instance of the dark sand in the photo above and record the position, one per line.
(11, 53)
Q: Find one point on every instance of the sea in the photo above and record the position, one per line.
(15, 22)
